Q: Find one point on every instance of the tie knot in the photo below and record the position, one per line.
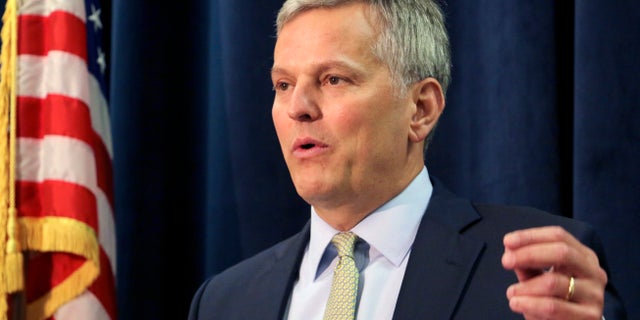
(344, 242)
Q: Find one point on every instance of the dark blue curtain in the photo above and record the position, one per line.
(543, 111)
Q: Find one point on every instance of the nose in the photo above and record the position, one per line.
(303, 105)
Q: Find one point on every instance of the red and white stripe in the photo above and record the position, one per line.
(64, 140)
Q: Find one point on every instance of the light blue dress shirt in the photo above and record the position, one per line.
(388, 234)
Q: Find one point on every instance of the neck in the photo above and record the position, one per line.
(346, 215)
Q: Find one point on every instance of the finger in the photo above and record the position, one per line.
(523, 274)
(524, 237)
(526, 274)
(548, 234)
(563, 257)
(540, 256)
(558, 286)
(550, 284)
(533, 307)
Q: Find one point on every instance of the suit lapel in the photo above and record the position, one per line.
(274, 282)
(441, 260)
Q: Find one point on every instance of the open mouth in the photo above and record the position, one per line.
(308, 147)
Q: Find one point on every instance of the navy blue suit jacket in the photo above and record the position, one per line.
(454, 270)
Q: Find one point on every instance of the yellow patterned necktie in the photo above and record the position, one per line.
(344, 288)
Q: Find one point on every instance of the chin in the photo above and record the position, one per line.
(311, 193)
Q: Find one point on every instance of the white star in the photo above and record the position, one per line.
(101, 61)
(95, 18)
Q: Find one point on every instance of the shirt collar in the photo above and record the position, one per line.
(399, 218)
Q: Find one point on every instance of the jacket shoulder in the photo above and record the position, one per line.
(252, 279)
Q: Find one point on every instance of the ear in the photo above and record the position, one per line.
(429, 103)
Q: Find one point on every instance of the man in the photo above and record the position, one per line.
(359, 88)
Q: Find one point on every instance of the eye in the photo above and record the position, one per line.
(333, 80)
(281, 86)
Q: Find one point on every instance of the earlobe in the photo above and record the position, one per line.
(429, 101)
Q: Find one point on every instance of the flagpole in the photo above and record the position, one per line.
(12, 286)
(18, 306)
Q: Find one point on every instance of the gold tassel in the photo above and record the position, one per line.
(13, 263)
(11, 275)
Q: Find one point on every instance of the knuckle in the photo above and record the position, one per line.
(593, 313)
(558, 232)
(563, 252)
(592, 256)
(599, 300)
(550, 308)
(551, 283)
(602, 275)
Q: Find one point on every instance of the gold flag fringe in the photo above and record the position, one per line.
(11, 275)
(60, 234)
(70, 288)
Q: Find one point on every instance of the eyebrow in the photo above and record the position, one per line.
(275, 69)
(327, 65)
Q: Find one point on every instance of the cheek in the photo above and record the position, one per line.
(387, 131)
(364, 134)
(353, 129)
(278, 117)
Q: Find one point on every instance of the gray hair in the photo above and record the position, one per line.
(412, 37)
(412, 40)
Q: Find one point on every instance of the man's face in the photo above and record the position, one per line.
(342, 130)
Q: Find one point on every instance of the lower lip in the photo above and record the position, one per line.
(309, 153)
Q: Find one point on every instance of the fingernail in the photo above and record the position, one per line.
(510, 292)
(507, 259)
(509, 239)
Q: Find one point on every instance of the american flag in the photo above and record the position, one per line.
(60, 216)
